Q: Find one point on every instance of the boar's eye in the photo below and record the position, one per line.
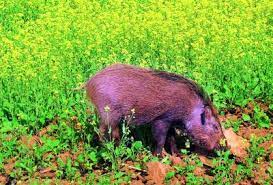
(203, 118)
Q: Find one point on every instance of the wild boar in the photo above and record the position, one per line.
(162, 99)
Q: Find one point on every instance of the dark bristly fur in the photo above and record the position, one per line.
(164, 100)
(181, 79)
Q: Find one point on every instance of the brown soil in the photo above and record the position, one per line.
(3, 179)
(236, 144)
(30, 141)
(157, 172)
(247, 132)
(8, 167)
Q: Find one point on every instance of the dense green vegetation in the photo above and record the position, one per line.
(49, 47)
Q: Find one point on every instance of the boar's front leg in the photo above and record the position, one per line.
(160, 130)
(114, 132)
(109, 127)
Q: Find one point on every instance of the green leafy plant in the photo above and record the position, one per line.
(235, 125)
(222, 170)
(188, 170)
(114, 153)
(261, 118)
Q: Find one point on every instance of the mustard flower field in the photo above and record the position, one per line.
(48, 48)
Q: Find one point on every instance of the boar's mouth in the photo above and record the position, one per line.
(205, 143)
(207, 146)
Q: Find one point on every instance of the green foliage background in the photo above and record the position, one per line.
(48, 47)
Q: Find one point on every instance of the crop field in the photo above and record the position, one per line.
(48, 130)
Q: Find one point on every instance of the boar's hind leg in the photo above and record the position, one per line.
(159, 130)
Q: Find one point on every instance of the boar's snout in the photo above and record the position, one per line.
(218, 144)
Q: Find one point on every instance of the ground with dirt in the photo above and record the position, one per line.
(250, 147)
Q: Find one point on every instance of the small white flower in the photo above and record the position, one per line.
(106, 108)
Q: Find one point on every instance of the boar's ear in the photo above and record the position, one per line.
(203, 118)
(208, 112)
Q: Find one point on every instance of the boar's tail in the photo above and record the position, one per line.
(81, 87)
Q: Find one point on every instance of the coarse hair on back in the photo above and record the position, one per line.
(181, 79)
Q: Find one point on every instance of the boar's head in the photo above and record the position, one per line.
(204, 128)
